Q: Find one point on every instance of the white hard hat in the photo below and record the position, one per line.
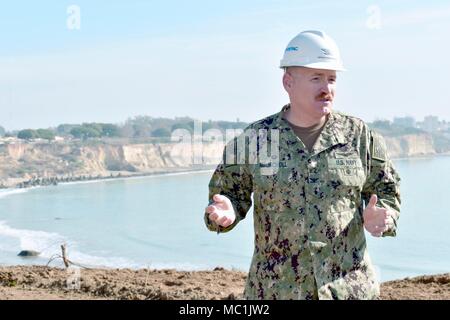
(312, 49)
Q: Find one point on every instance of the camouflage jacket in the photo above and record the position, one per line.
(308, 225)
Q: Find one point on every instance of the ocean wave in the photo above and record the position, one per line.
(32, 240)
(49, 244)
(8, 192)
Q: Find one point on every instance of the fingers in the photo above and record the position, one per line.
(219, 198)
(389, 221)
(218, 218)
(378, 230)
(227, 223)
(382, 213)
(381, 228)
(213, 216)
(210, 209)
(224, 221)
(386, 216)
(373, 201)
(212, 212)
(377, 234)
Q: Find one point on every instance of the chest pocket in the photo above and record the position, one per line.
(346, 170)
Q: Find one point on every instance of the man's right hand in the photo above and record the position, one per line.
(221, 211)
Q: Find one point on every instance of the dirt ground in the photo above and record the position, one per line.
(39, 282)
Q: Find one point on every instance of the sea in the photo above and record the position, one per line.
(157, 222)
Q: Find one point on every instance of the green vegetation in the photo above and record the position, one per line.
(386, 128)
(441, 143)
(83, 132)
(92, 130)
(161, 132)
(110, 130)
(139, 127)
(45, 134)
(28, 134)
(64, 129)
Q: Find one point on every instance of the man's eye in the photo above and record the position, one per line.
(315, 78)
(332, 80)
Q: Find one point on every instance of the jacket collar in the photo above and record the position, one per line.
(331, 135)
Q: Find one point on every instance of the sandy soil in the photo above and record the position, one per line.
(39, 282)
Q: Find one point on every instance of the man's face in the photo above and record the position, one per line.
(311, 90)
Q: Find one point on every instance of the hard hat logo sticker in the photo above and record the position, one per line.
(325, 51)
(291, 49)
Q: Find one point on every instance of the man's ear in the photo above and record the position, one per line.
(287, 81)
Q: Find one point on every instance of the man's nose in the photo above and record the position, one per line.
(326, 88)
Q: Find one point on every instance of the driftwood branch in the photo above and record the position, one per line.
(64, 255)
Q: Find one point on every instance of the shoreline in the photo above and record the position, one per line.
(40, 282)
(87, 178)
(424, 156)
(55, 181)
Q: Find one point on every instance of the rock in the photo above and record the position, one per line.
(28, 253)
(173, 283)
(231, 296)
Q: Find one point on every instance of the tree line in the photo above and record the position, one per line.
(145, 127)
(137, 127)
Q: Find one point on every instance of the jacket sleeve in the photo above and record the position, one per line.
(233, 180)
(382, 179)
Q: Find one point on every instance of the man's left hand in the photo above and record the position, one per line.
(376, 220)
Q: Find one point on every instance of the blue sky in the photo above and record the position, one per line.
(213, 60)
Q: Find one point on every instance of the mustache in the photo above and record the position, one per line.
(324, 96)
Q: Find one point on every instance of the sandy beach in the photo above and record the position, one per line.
(40, 282)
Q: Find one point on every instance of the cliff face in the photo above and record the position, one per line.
(23, 161)
(410, 145)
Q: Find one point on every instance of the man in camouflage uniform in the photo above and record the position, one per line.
(309, 213)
